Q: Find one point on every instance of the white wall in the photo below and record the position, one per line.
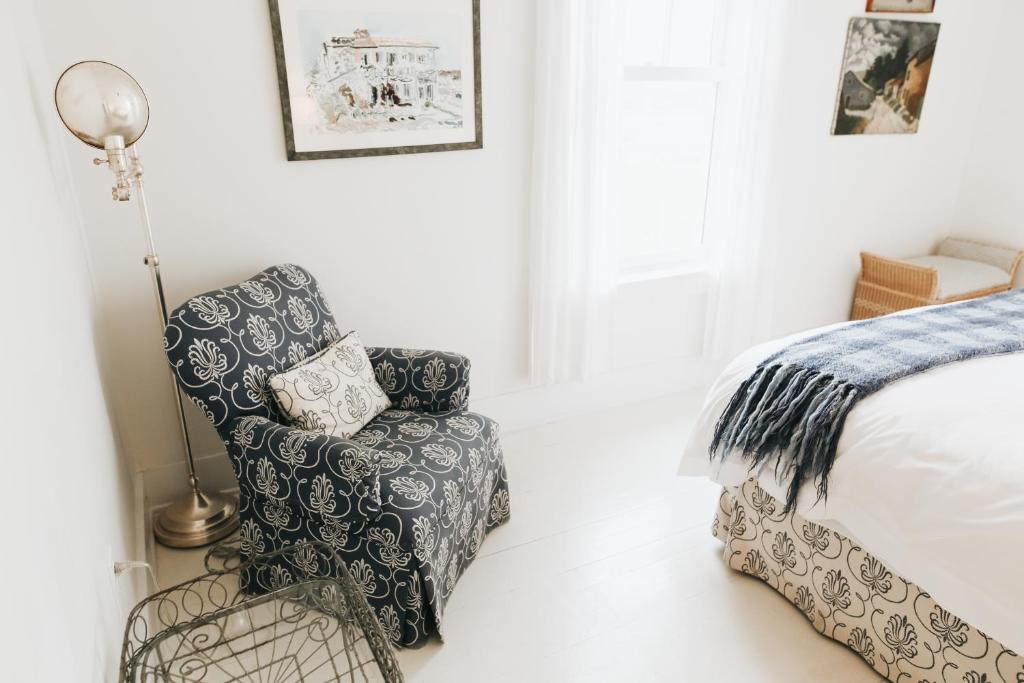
(422, 250)
(404, 269)
(991, 204)
(226, 204)
(835, 196)
(68, 498)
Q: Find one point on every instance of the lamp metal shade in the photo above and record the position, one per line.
(97, 100)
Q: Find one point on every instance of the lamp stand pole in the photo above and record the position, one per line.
(104, 107)
(197, 518)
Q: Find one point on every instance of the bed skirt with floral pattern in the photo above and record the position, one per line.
(853, 598)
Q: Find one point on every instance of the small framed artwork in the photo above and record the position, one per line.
(886, 67)
(371, 77)
(923, 6)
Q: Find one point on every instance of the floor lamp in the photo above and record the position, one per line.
(104, 107)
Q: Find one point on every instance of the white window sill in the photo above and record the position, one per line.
(691, 269)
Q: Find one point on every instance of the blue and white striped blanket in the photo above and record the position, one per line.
(794, 405)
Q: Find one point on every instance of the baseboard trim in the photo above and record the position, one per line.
(540, 405)
(143, 531)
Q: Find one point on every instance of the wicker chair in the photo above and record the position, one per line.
(959, 270)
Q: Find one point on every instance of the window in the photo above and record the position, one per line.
(669, 95)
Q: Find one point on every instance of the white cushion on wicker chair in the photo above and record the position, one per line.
(960, 276)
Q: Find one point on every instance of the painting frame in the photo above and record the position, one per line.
(294, 154)
(882, 90)
(887, 6)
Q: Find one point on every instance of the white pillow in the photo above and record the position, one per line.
(332, 393)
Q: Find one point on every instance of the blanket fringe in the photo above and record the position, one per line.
(789, 413)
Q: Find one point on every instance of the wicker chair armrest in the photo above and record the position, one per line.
(899, 276)
(1015, 268)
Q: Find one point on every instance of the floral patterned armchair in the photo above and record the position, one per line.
(406, 501)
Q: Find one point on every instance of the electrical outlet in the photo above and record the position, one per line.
(110, 563)
(137, 586)
(115, 588)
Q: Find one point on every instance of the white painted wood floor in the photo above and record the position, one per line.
(608, 572)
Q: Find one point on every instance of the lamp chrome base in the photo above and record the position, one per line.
(197, 519)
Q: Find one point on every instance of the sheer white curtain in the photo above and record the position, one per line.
(739, 226)
(574, 215)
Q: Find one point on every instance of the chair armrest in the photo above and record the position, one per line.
(319, 476)
(899, 276)
(424, 381)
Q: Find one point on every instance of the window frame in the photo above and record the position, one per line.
(696, 259)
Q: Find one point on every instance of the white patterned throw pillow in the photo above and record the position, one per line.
(332, 393)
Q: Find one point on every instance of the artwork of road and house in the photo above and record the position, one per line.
(377, 76)
(885, 73)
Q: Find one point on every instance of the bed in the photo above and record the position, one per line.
(916, 558)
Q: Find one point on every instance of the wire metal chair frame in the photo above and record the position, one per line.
(290, 615)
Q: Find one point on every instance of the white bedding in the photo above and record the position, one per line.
(929, 477)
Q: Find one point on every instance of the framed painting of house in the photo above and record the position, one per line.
(371, 77)
(908, 6)
(884, 77)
